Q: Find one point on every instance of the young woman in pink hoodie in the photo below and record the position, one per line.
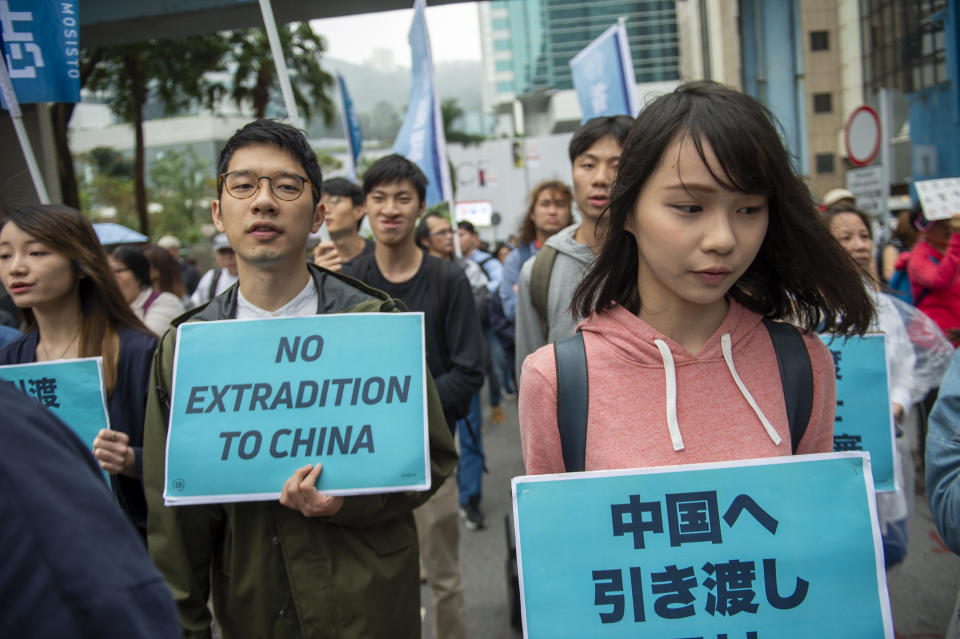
(708, 230)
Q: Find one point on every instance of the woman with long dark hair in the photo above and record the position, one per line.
(56, 271)
(710, 231)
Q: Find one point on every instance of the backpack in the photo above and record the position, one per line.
(796, 374)
(212, 293)
(899, 286)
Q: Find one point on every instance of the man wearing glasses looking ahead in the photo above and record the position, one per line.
(309, 565)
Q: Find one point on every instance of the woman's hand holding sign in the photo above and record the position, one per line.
(112, 450)
(300, 493)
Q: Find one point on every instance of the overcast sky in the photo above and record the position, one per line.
(454, 34)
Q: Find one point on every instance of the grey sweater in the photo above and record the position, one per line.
(572, 262)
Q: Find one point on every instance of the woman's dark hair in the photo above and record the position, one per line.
(528, 231)
(102, 306)
(134, 260)
(799, 273)
(169, 279)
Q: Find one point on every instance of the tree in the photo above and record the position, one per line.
(180, 186)
(451, 112)
(175, 71)
(254, 76)
(107, 184)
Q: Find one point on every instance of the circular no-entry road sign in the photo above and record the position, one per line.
(861, 135)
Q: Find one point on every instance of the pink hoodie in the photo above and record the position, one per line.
(631, 366)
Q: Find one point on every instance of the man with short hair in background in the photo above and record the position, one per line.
(395, 197)
(344, 210)
(220, 277)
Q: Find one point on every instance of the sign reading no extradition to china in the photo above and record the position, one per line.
(783, 548)
(253, 400)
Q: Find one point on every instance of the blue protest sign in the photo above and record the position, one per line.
(603, 76)
(351, 126)
(41, 42)
(72, 389)
(864, 420)
(786, 548)
(421, 139)
(345, 390)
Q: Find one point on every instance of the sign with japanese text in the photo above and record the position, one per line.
(346, 390)
(940, 198)
(780, 548)
(41, 43)
(864, 420)
(72, 389)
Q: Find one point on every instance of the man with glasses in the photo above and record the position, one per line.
(310, 564)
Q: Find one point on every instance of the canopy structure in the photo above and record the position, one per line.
(108, 22)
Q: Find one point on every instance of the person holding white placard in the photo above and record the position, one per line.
(710, 231)
(57, 273)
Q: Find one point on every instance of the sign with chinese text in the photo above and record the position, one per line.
(781, 548)
(866, 184)
(940, 198)
(72, 389)
(864, 420)
(345, 390)
(41, 42)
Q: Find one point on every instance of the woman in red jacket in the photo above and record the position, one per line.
(933, 267)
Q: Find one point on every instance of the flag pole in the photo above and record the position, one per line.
(280, 62)
(10, 96)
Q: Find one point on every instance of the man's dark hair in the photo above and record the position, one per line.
(423, 229)
(343, 187)
(467, 226)
(395, 168)
(616, 126)
(284, 136)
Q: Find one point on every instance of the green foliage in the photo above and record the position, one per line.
(106, 184)
(254, 75)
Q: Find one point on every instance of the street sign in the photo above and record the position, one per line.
(866, 184)
(861, 135)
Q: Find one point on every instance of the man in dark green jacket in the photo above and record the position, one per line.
(310, 565)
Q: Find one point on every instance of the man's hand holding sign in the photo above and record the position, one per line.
(300, 493)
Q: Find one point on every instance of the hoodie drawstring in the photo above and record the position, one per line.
(670, 378)
(725, 345)
(670, 375)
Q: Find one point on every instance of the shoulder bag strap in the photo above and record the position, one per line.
(572, 400)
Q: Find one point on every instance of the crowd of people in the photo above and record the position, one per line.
(686, 240)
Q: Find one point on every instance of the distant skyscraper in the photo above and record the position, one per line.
(532, 41)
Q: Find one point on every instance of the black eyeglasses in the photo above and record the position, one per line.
(441, 233)
(244, 184)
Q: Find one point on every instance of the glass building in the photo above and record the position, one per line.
(533, 40)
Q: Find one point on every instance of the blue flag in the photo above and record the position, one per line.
(41, 44)
(421, 138)
(351, 126)
(603, 75)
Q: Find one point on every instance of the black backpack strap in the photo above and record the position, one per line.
(796, 376)
(572, 400)
(217, 272)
